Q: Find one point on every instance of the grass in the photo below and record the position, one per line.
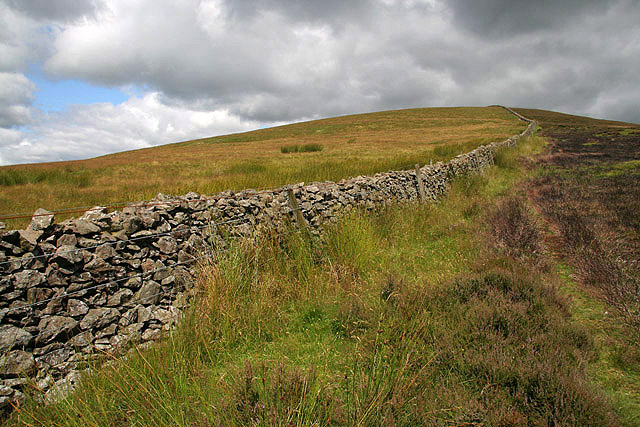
(404, 316)
(297, 148)
(352, 145)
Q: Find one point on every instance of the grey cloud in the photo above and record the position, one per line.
(500, 18)
(54, 10)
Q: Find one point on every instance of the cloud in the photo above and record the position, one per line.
(16, 94)
(91, 130)
(272, 61)
(499, 18)
(54, 10)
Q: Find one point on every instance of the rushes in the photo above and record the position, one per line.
(301, 148)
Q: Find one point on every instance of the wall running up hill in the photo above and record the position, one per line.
(105, 279)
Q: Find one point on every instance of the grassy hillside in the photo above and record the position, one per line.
(512, 301)
(588, 194)
(350, 146)
(447, 314)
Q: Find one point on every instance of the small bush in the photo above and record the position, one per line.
(300, 148)
(514, 230)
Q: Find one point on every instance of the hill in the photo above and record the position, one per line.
(351, 145)
(512, 301)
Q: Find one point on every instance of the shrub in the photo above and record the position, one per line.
(514, 230)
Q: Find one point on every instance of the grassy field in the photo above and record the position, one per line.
(341, 147)
(446, 314)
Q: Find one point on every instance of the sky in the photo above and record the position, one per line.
(83, 78)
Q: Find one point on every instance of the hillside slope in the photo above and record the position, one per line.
(351, 145)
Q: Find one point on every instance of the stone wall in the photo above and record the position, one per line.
(106, 278)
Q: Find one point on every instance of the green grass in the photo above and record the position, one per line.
(297, 148)
(401, 316)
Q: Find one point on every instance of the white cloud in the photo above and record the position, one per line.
(16, 94)
(91, 130)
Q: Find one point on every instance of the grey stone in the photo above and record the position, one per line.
(28, 279)
(108, 331)
(67, 240)
(29, 239)
(68, 255)
(144, 314)
(82, 340)
(151, 334)
(105, 252)
(98, 318)
(149, 293)
(41, 220)
(63, 387)
(85, 242)
(166, 317)
(17, 363)
(76, 307)
(121, 297)
(39, 294)
(167, 245)
(54, 327)
(84, 227)
(132, 224)
(13, 337)
(54, 358)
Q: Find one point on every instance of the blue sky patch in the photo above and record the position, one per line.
(57, 95)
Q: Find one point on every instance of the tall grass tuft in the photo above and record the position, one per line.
(301, 148)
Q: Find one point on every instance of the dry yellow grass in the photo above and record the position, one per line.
(352, 145)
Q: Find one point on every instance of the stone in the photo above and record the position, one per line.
(166, 244)
(144, 314)
(76, 307)
(151, 334)
(54, 358)
(165, 317)
(98, 318)
(85, 242)
(105, 252)
(29, 239)
(67, 240)
(132, 224)
(121, 297)
(54, 327)
(28, 279)
(17, 363)
(149, 293)
(82, 340)
(68, 255)
(12, 337)
(184, 257)
(39, 294)
(133, 331)
(41, 220)
(84, 227)
(63, 387)
(108, 331)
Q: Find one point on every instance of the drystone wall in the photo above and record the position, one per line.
(92, 284)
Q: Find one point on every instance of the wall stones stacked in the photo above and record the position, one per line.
(108, 278)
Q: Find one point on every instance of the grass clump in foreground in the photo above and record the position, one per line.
(398, 317)
(301, 148)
